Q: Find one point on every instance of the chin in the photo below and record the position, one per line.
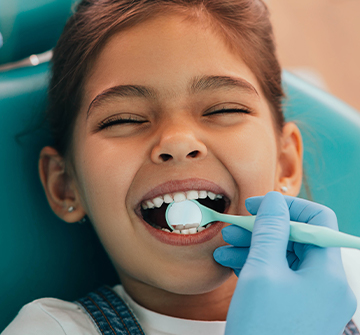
(196, 281)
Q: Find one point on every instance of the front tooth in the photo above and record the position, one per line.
(192, 195)
(143, 205)
(168, 199)
(158, 202)
(180, 196)
(178, 227)
(200, 229)
(202, 194)
(176, 231)
(192, 231)
(150, 204)
(211, 195)
(191, 225)
(185, 231)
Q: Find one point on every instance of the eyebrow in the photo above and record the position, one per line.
(125, 91)
(204, 83)
(197, 85)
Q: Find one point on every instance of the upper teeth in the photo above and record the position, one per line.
(177, 197)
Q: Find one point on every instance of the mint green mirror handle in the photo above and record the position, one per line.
(299, 232)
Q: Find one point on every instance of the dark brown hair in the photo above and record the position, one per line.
(244, 24)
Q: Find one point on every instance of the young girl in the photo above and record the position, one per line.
(159, 100)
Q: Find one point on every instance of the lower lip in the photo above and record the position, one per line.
(184, 239)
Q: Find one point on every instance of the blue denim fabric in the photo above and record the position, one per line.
(109, 313)
(351, 329)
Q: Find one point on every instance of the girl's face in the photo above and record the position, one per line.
(168, 108)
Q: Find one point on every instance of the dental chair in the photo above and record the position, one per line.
(31, 27)
(42, 256)
(331, 136)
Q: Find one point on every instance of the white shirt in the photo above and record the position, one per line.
(57, 317)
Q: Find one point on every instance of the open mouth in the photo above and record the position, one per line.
(153, 210)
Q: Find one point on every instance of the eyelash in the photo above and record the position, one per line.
(119, 120)
(229, 111)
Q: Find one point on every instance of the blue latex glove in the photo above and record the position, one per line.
(235, 254)
(308, 296)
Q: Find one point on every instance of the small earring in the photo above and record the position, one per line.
(71, 209)
(83, 220)
(284, 189)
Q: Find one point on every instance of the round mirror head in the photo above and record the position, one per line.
(182, 213)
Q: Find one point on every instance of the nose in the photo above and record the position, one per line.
(178, 144)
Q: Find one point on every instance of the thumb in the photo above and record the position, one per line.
(271, 231)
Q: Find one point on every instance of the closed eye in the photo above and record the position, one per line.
(229, 111)
(120, 120)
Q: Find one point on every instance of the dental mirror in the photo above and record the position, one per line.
(191, 212)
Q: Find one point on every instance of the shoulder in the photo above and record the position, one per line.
(51, 316)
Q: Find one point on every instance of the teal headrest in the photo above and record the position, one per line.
(31, 26)
(331, 136)
(40, 254)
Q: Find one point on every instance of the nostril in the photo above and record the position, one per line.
(193, 154)
(165, 157)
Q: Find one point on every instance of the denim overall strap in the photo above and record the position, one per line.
(110, 313)
(351, 329)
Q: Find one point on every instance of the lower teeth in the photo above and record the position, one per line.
(188, 231)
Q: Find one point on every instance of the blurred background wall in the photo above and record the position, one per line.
(320, 41)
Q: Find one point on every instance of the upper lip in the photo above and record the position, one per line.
(183, 186)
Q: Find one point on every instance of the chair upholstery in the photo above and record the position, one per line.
(40, 254)
(31, 26)
(43, 256)
(331, 135)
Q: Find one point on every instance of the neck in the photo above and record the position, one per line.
(210, 306)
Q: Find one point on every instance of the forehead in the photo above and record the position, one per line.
(166, 53)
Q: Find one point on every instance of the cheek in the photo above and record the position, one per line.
(106, 170)
(251, 158)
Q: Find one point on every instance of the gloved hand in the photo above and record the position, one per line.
(310, 296)
(235, 254)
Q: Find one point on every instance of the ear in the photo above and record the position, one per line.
(59, 187)
(289, 171)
